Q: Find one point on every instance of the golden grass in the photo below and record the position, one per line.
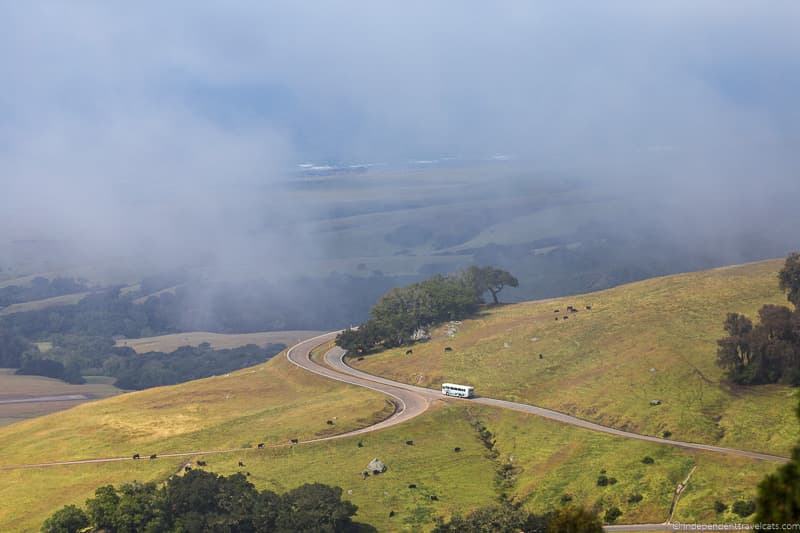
(654, 339)
(46, 303)
(170, 343)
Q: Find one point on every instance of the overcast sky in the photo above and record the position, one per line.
(172, 106)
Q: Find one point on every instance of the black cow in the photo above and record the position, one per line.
(589, 307)
(360, 358)
(241, 463)
(360, 444)
(434, 498)
(295, 441)
(541, 356)
(154, 456)
(187, 468)
(412, 486)
(409, 352)
(247, 474)
(202, 463)
(329, 422)
(260, 445)
(410, 442)
(556, 319)
(136, 456)
(457, 449)
(565, 317)
(557, 311)
(448, 349)
(391, 514)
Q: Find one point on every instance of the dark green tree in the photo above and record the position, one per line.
(103, 507)
(504, 518)
(789, 278)
(69, 519)
(574, 520)
(315, 507)
(490, 279)
(778, 499)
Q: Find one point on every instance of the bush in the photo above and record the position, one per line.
(612, 514)
(612, 481)
(635, 498)
(744, 508)
(566, 498)
(666, 434)
(648, 460)
(602, 480)
(720, 507)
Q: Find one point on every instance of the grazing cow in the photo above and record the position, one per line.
(434, 498)
(410, 442)
(589, 307)
(247, 474)
(457, 449)
(409, 352)
(260, 445)
(565, 317)
(391, 514)
(360, 444)
(295, 441)
(448, 349)
(329, 422)
(241, 463)
(187, 468)
(136, 456)
(557, 311)
(412, 486)
(541, 356)
(202, 463)
(360, 359)
(154, 456)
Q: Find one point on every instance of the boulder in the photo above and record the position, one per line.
(376, 466)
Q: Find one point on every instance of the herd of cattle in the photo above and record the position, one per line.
(570, 309)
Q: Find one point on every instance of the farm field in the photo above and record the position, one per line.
(170, 343)
(13, 387)
(650, 340)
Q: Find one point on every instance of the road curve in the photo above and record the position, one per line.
(348, 374)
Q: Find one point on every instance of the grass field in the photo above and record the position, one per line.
(271, 403)
(170, 343)
(651, 340)
(46, 303)
(14, 387)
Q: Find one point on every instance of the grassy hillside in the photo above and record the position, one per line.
(218, 341)
(271, 403)
(651, 340)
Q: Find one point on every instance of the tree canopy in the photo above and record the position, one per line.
(401, 313)
(204, 501)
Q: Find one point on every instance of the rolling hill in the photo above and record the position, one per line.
(650, 340)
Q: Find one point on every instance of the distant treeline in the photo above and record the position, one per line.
(72, 357)
(767, 352)
(403, 314)
(39, 289)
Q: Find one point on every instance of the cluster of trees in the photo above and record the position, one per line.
(402, 312)
(767, 352)
(512, 518)
(203, 501)
(40, 288)
(186, 363)
(72, 357)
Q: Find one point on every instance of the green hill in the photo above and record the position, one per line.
(651, 340)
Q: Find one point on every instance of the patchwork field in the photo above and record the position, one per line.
(14, 388)
(170, 343)
(650, 340)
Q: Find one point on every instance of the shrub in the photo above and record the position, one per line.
(666, 434)
(612, 481)
(648, 460)
(68, 519)
(744, 508)
(612, 514)
(566, 498)
(602, 480)
(635, 498)
(720, 507)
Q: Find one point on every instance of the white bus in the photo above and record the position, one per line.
(461, 391)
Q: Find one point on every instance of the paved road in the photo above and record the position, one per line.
(348, 374)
